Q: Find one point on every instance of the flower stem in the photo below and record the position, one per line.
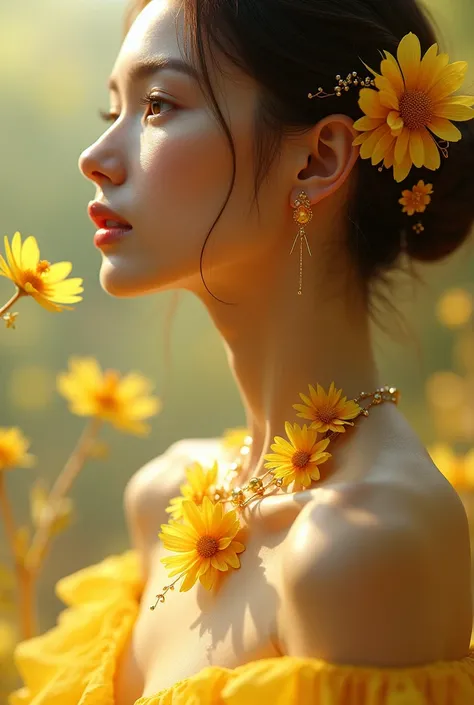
(59, 490)
(18, 294)
(25, 586)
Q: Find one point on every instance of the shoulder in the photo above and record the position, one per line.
(360, 579)
(150, 488)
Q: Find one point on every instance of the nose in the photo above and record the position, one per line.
(101, 166)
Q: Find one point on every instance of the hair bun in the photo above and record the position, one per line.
(449, 217)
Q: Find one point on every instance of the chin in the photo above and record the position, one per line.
(122, 281)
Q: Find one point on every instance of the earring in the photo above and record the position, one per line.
(302, 215)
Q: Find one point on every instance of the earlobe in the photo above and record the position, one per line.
(331, 158)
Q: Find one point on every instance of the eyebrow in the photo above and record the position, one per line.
(148, 67)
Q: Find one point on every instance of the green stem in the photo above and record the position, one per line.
(10, 303)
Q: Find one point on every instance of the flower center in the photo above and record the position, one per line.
(416, 109)
(34, 279)
(326, 415)
(207, 546)
(300, 459)
(107, 396)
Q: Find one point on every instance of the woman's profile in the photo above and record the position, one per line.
(279, 160)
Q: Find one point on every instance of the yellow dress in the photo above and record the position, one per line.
(74, 662)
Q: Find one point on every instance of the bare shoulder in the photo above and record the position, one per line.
(149, 490)
(378, 572)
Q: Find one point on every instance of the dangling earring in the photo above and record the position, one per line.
(302, 215)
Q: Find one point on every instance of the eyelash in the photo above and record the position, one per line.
(147, 99)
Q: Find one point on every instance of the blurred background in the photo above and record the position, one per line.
(55, 59)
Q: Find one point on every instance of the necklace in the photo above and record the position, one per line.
(204, 535)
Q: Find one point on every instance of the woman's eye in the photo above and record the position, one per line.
(148, 100)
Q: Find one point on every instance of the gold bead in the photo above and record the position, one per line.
(354, 73)
(237, 496)
(279, 482)
(338, 78)
(256, 485)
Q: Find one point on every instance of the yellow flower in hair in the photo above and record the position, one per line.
(45, 282)
(298, 459)
(204, 541)
(416, 199)
(413, 102)
(201, 483)
(328, 412)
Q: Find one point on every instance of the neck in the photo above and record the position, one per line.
(278, 343)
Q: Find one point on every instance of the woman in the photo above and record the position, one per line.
(348, 579)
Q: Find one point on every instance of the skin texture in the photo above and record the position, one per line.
(166, 169)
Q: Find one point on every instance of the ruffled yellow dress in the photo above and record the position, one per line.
(74, 662)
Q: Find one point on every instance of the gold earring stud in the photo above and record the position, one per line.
(302, 215)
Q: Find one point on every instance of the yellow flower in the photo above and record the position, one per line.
(9, 319)
(236, 437)
(457, 469)
(328, 412)
(121, 402)
(201, 483)
(205, 542)
(413, 100)
(45, 282)
(13, 447)
(58, 519)
(298, 459)
(416, 199)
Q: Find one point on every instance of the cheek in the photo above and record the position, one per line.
(186, 170)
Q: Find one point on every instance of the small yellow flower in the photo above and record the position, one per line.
(42, 513)
(413, 102)
(458, 469)
(121, 402)
(298, 459)
(416, 199)
(205, 542)
(13, 447)
(201, 483)
(45, 282)
(328, 412)
(236, 437)
(9, 319)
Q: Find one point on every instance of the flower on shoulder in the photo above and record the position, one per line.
(297, 459)
(413, 102)
(327, 411)
(123, 402)
(201, 483)
(13, 450)
(45, 282)
(416, 199)
(204, 542)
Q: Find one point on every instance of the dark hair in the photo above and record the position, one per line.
(291, 47)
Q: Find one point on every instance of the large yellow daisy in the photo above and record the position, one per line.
(413, 102)
(201, 483)
(123, 402)
(327, 411)
(205, 542)
(297, 459)
(45, 282)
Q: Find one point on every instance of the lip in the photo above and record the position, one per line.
(99, 213)
(110, 236)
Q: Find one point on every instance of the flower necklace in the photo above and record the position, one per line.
(203, 534)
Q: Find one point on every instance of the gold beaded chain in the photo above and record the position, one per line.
(236, 495)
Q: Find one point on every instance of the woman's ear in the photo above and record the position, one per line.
(329, 158)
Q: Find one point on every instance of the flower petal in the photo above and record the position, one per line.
(57, 271)
(417, 151)
(432, 155)
(454, 111)
(428, 66)
(367, 148)
(363, 124)
(409, 58)
(402, 145)
(444, 129)
(30, 253)
(401, 171)
(389, 100)
(450, 80)
(369, 103)
(391, 70)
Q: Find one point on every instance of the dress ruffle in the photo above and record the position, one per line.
(289, 680)
(74, 662)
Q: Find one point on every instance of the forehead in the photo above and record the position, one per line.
(157, 30)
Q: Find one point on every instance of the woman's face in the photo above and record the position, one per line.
(166, 168)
